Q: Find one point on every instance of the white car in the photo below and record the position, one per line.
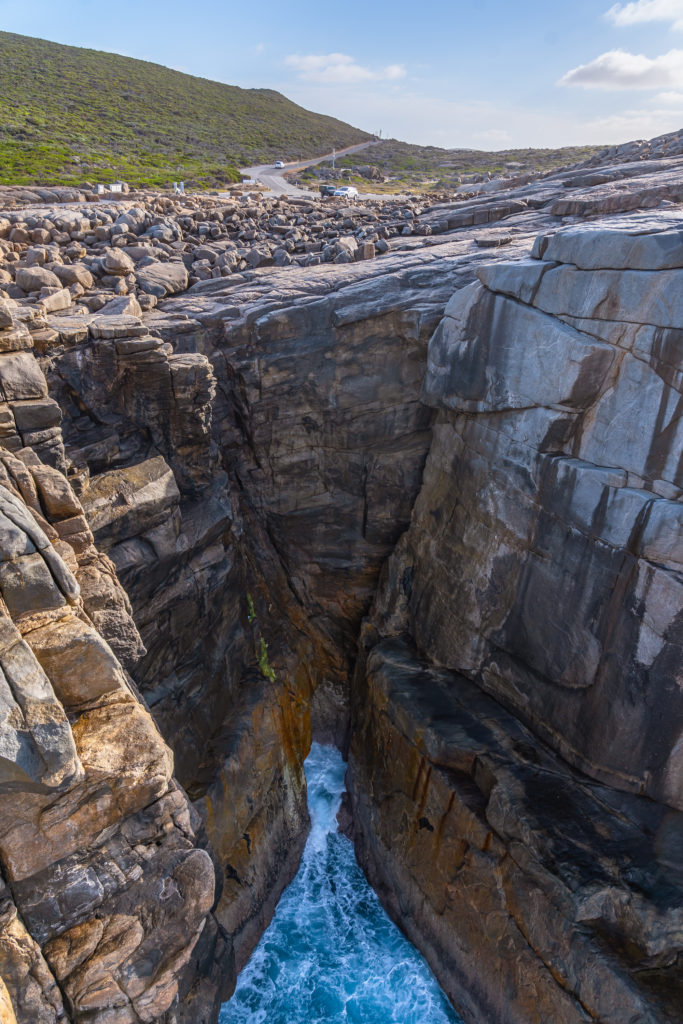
(279, 164)
(346, 192)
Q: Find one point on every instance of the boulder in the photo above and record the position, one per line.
(32, 279)
(6, 319)
(60, 299)
(162, 279)
(124, 304)
(74, 273)
(117, 263)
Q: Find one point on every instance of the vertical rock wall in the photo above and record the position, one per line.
(541, 574)
(105, 891)
(251, 551)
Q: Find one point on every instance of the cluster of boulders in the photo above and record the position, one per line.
(124, 255)
(134, 252)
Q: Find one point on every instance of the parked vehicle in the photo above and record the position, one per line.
(327, 190)
(346, 192)
(279, 164)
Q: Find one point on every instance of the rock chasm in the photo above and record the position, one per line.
(419, 499)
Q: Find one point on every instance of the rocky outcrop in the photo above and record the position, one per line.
(225, 472)
(97, 847)
(106, 891)
(541, 575)
(226, 484)
(534, 893)
(668, 145)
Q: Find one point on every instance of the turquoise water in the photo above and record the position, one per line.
(331, 954)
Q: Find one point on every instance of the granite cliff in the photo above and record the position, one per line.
(537, 595)
(425, 506)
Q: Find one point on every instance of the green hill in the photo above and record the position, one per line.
(68, 115)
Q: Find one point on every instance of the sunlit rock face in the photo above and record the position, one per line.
(541, 569)
(105, 891)
(545, 549)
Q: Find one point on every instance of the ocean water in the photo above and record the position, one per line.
(331, 954)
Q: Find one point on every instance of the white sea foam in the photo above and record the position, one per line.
(331, 955)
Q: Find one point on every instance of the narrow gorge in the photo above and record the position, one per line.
(424, 506)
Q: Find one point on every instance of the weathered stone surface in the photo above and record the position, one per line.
(126, 502)
(37, 750)
(492, 374)
(79, 664)
(56, 301)
(163, 278)
(125, 304)
(643, 241)
(20, 377)
(500, 862)
(74, 273)
(541, 569)
(6, 319)
(116, 325)
(7, 1015)
(28, 980)
(32, 279)
(117, 262)
(553, 524)
(95, 837)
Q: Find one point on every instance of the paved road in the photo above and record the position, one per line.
(267, 175)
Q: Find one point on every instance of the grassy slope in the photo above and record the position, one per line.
(69, 115)
(428, 167)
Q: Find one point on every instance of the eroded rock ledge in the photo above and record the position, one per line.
(534, 893)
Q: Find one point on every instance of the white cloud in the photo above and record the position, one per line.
(340, 68)
(618, 69)
(670, 99)
(633, 124)
(640, 11)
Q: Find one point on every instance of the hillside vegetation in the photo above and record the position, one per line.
(407, 167)
(68, 114)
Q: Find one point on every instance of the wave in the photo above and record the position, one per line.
(331, 955)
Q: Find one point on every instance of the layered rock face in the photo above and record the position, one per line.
(105, 889)
(537, 595)
(138, 419)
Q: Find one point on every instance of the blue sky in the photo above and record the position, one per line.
(489, 74)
